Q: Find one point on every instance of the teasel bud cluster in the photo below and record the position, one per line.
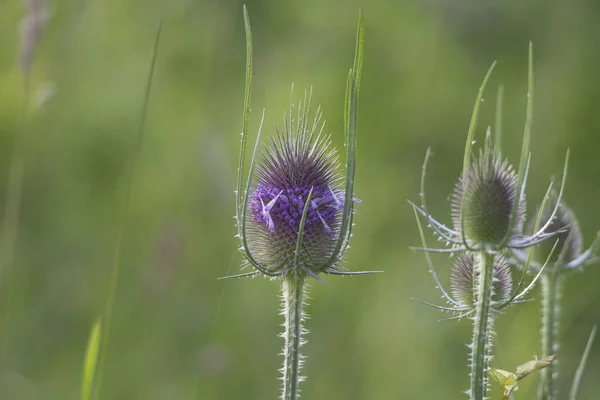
(567, 255)
(294, 215)
(488, 218)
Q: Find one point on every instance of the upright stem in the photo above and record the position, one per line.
(293, 302)
(551, 290)
(482, 326)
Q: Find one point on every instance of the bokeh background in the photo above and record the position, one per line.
(177, 332)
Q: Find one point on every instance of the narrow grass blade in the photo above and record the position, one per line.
(12, 210)
(499, 116)
(116, 266)
(581, 368)
(246, 122)
(91, 360)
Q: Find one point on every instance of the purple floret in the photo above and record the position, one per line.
(294, 163)
(279, 210)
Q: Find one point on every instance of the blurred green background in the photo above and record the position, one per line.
(178, 333)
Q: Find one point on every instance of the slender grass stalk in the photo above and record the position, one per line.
(551, 293)
(293, 302)
(482, 329)
(12, 211)
(116, 266)
(498, 118)
(581, 367)
(31, 29)
(91, 361)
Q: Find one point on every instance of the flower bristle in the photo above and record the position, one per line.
(465, 275)
(295, 162)
(483, 201)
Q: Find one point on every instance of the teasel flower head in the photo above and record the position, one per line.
(295, 216)
(483, 201)
(297, 194)
(465, 276)
(565, 251)
(487, 206)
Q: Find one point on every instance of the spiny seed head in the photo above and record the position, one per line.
(483, 200)
(294, 163)
(465, 275)
(570, 241)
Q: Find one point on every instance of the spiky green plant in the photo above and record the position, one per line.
(488, 214)
(294, 217)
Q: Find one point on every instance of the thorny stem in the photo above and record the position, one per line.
(482, 326)
(551, 291)
(293, 302)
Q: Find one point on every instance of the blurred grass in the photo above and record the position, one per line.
(172, 336)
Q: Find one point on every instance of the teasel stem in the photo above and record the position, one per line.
(551, 292)
(293, 302)
(482, 328)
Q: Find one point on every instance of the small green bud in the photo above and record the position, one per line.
(466, 273)
(483, 200)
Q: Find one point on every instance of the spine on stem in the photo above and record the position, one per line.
(293, 303)
(551, 292)
(482, 328)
